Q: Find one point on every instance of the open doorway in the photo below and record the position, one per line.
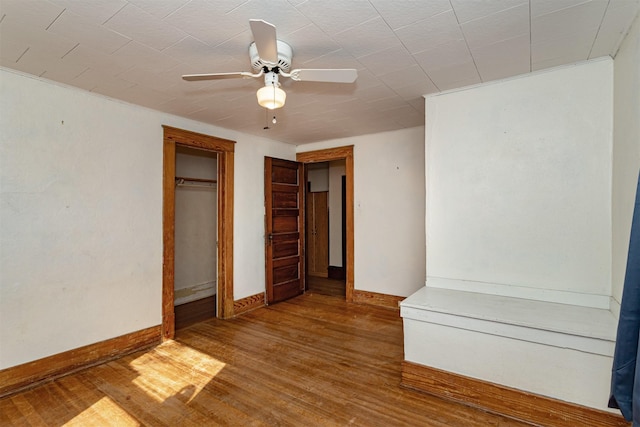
(344, 154)
(325, 226)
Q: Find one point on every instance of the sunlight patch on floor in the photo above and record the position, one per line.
(184, 371)
(105, 412)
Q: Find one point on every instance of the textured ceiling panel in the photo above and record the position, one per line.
(200, 20)
(162, 8)
(583, 19)
(457, 75)
(94, 11)
(444, 55)
(369, 37)
(617, 19)
(503, 59)
(82, 30)
(137, 50)
(430, 32)
(503, 25)
(33, 13)
(13, 34)
(389, 60)
(468, 10)
(335, 16)
(143, 27)
(401, 13)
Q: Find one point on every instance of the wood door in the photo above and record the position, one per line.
(317, 234)
(284, 214)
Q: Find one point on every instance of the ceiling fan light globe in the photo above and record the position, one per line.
(271, 97)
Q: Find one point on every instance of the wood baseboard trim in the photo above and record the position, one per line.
(375, 298)
(248, 303)
(510, 402)
(21, 377)
(336, 273)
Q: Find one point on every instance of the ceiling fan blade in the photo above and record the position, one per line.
(264, 34)
(347, 75)
(217, 76)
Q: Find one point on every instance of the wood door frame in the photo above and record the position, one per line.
(225, 153)
(340, 153)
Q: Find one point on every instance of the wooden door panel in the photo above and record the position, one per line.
(322, 233)
(285, 248)
(286, 291)
(286, 270)
(284, 173)
(284, 229)
(309, 240)
(285, 224)
(285, 199)
(317, 234)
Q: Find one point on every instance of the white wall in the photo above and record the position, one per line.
(318, 177)
(81, 216)
(626, 149)
(196, 227)
(519, 182)
(389, 198)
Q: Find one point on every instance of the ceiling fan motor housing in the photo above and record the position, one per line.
(285, 54)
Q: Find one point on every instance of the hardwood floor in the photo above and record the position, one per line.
(194, 312)
(324, 286)
(311, 361)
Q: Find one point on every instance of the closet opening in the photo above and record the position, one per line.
(177, 139)
(196, 205)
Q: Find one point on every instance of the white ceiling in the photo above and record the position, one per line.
(137, 50)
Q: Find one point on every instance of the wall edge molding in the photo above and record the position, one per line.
(248, 303)
(503, 400)
(27, 375)
(378, 299)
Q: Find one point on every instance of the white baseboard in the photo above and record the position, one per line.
(194, 293)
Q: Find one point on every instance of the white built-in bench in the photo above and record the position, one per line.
(552, 349)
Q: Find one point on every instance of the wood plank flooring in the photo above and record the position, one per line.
(324, 286)
(311, 361)
(195, 311)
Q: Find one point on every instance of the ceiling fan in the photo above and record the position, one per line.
(271, 58)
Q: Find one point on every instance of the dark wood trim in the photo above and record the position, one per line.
(336, 273)
(168, 238)
(327, 155)
(225, 234)
(198, 140)
(343, 221)
(375, 298)
(499, 399)
(31, 374)
(248, 303)
(225, 153)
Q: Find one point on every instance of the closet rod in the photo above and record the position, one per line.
(184, 178)
(205, 185)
